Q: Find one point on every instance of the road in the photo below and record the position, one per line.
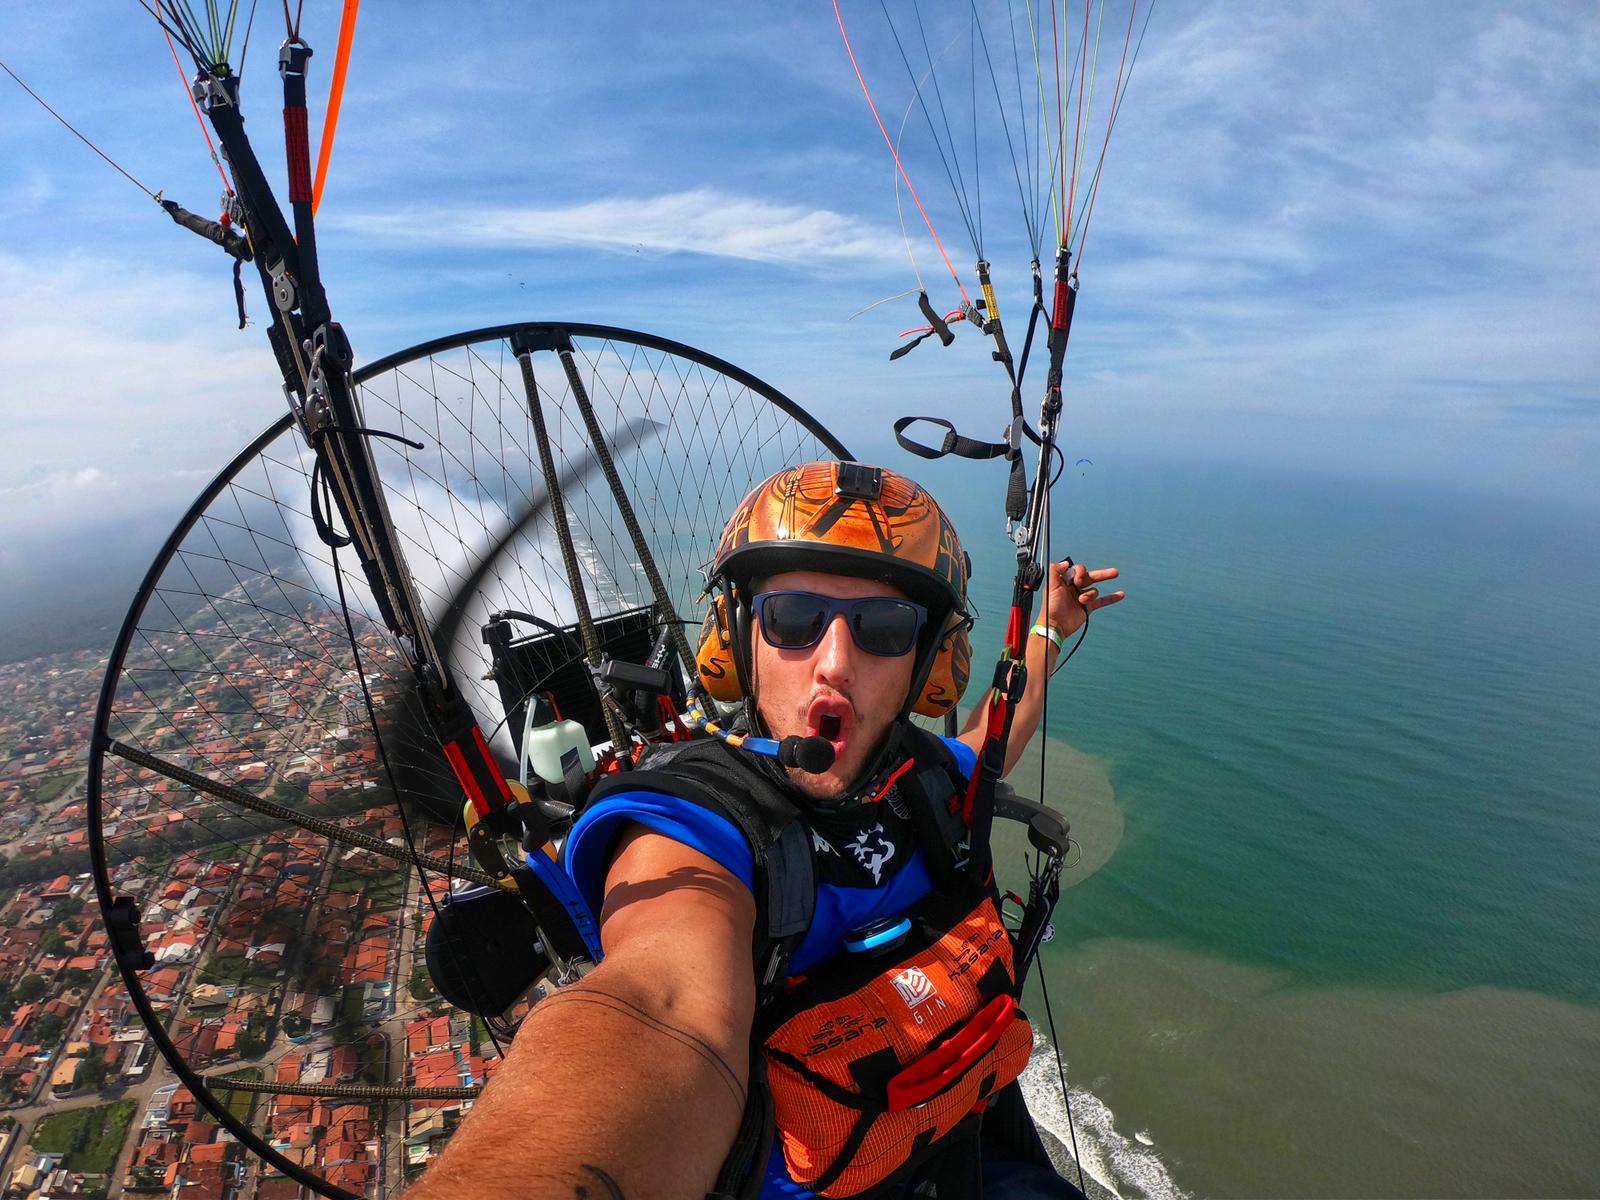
(75, 791)
(29, 1117)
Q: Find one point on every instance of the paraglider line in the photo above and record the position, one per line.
(249, 26)
(199, 120)
(75, 132)
(901, 166)
(1116, 108)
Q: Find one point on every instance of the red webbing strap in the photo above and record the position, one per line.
(1010, 681)
(994, 736)
(1058, 313)
(298, 144)
(937, 1070)
(889, 782)
(464, 776)
(1014, 625)
(1002, 695)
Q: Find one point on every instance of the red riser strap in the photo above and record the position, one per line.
(298, 143)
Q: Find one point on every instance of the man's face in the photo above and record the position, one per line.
(833, 689)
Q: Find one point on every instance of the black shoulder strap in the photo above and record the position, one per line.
(723, 781)
(707, 774)
(931, 792)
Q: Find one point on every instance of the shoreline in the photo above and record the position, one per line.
(1253, 1083)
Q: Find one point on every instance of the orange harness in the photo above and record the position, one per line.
(873, 1064)
(889, 1055)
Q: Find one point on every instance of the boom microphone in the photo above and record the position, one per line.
(813, 755)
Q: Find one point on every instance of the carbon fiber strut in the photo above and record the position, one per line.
(602, 452)
(569, 555)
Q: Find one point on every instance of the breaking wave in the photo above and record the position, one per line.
(1126, 1167)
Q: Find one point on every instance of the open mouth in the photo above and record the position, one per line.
(830, 717)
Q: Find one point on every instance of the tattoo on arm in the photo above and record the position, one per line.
(612, 1190)
(590, 994)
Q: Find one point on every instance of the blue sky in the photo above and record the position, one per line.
(1350, 237)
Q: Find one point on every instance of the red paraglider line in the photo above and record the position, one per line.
(950, 318)
(1064, 225)
(204, 132)
(888, 141)
(1083, 63)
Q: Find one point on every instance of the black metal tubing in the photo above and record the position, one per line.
(100, 743)
(553, 335)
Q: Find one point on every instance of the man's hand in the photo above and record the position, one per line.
(630, 1082)
(1073, 594)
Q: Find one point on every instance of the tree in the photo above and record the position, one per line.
(253, 1038)
(31, 987)
(47, 1028)
(94, 1071)
(148, 1177)
(53, 942)
(421, 983)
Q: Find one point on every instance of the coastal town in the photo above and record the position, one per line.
(286, 968)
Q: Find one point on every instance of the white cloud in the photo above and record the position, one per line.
(59, 487)
(115, 375)
(699, 221)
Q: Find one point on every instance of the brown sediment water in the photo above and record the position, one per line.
(1211, 1078)
(1076, 785)
(1192, 1074)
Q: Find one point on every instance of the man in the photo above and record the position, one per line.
(840, 599)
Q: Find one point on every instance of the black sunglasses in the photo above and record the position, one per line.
(881, 625)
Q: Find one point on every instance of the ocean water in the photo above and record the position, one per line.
(1335, 771)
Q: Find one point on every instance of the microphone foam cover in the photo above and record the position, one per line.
(813, 755)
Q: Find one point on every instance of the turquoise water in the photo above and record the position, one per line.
(1353, 731)
(1355, 734)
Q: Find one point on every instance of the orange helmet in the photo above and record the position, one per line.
(846, 519)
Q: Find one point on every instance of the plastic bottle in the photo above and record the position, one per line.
(543, 747)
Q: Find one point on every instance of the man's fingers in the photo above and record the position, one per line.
(1104, 601)
(1080, 574)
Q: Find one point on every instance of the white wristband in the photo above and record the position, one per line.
(1056, 639)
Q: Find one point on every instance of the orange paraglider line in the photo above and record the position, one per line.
(950, 318)
(330, 123)
(204, 132)
(888, 141)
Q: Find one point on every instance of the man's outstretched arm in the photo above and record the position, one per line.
(632, 1081)
(1073, 594)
